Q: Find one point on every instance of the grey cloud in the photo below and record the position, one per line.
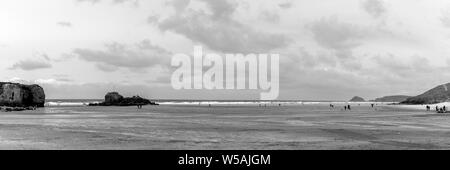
(331, 33)
(270, 16)
(133, 57)
(29, 65)
(341, 38)
(222, 9)
(413, 65)
(91, 1)
(153, 19)
(218, 30)
(445, 18)
(178, 5)
(62, 78)
(39, 61)
(375, 8)
(285, 5)
(64, 24)
(135, 2)
(107, 67)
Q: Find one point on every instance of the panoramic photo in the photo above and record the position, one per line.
(224, 75)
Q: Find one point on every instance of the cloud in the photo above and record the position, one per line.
(285, 5)
(445, 18)
(216, 28)
(42, 62)
(333, 34)
(135, 2)
(64, 24)
(91, 1)
(134, 57)
(375, 8)
(29, 65)
(270, 16)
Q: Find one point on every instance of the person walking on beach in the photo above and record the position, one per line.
(345, 107)
(372, 105)
(349, 108)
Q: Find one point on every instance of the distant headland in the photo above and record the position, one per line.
(438, 94)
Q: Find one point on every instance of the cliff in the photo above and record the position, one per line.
(115, 99)
(397, 98)
(20, 95)
(357, 99)
(438, 94)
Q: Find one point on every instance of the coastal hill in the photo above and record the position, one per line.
(357, 99)
(438, 94)
(20, 95)
(396, 98)
(115, 99)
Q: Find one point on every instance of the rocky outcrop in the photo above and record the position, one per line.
(115, 99)
(357, 99)
(20, 95)
(395, 99)
(438, 94)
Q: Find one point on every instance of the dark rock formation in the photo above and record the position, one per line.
(115, 99)
(357, 99)
(11, 109)
(395, 99)
(438, 94)
(19, 95)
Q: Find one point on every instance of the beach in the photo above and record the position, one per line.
(248, 127)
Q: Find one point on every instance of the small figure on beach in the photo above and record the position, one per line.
(428, 108)
(372, 105)
(349, 108)
(345, 107)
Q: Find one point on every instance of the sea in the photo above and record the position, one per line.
(174, 102)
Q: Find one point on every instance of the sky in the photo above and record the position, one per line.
(329, 50)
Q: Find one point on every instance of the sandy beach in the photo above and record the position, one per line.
(314, 126)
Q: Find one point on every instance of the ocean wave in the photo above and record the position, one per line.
(67, 104)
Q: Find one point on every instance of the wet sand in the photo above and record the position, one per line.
(225, 127)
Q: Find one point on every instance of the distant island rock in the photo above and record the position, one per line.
(17, 97)
(438, 94)
(115, 99)
(357, 99)
(395, 99)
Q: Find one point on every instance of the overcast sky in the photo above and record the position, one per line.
(329, 50)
